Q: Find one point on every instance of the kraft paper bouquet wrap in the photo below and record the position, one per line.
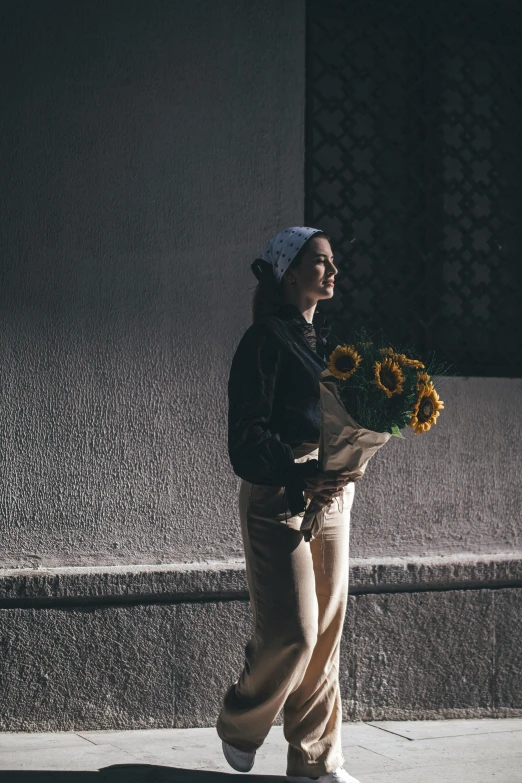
(369, 392)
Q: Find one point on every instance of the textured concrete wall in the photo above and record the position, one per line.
(148, 151)
(456, 488)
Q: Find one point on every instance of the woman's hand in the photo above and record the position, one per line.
(326, 485)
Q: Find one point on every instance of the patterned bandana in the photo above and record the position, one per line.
(283, 248)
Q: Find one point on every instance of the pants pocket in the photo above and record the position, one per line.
(269, 504)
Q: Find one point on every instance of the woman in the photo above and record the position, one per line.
(298, 589)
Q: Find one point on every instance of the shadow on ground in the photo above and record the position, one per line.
(131, 773)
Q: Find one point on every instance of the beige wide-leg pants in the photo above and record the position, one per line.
(298, 594)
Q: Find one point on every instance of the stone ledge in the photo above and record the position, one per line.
(436, 572)
(226, 580)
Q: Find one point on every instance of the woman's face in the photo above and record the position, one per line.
(314, 276)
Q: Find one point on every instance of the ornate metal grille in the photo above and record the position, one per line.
(414, 168)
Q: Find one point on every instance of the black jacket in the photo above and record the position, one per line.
(274, 403)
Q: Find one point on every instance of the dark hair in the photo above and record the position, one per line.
(268, 294)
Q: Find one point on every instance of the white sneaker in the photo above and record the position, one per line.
(339, 775)
(240, 760)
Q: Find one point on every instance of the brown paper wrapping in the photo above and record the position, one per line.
(343, 445)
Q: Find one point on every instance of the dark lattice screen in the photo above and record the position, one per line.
(414, 168)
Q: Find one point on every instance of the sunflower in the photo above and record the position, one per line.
(401, 358)
(426, 409)
(407, 362)
(422, 379)
(388, 376)
(343, 361)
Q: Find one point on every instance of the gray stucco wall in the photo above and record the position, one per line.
(454, 489)
(148, 152)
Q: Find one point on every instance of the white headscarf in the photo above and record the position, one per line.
(283, 248)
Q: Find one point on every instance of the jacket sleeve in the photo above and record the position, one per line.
(256, 453)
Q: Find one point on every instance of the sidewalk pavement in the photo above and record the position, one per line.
(432, 751)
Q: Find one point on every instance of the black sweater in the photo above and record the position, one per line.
(274, 402)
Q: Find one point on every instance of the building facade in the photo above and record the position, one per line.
(149, 152)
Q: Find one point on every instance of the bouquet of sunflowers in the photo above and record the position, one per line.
(369, 392)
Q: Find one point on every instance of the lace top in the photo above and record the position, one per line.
(310, 336)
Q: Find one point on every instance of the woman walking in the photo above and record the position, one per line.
(298, 589)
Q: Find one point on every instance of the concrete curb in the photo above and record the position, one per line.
(226, 580)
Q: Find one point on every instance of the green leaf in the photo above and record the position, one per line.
(396, 431)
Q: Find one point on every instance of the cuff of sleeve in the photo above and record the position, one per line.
(296, 483)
